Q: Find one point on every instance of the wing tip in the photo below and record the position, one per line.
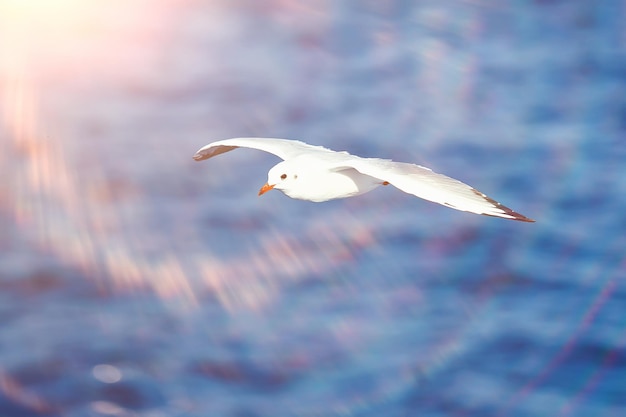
(506, 213)
(520, 217)
(511, 215)
(211, 151)
(199, 156)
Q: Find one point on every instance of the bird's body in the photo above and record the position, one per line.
(313, 180)
(314, 173)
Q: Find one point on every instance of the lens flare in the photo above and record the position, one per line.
(42, 44)
(81, 215)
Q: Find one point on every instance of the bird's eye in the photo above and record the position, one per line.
(282, 177)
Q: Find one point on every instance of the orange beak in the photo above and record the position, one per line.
(265, 188)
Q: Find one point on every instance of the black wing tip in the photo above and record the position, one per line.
(206, 153)
(199, 156)
(519, 217)
(508, 213)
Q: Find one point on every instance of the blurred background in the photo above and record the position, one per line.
(137, 282)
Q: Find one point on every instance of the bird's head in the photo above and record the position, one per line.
(282, 177)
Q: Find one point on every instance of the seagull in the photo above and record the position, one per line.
(315, 173)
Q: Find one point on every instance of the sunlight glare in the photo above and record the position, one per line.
(70, 52)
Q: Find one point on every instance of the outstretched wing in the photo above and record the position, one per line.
(424, 183)
(282, 148)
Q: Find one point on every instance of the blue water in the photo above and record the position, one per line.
(137, 282)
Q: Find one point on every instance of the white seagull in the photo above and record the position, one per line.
(315, 173)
